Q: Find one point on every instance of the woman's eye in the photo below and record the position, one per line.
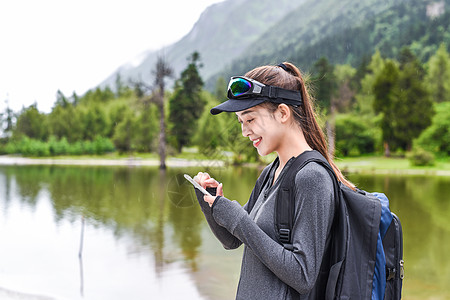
(251, 120)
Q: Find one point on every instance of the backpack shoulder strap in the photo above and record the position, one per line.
(285, 203)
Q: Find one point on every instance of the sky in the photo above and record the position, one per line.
(73, 45)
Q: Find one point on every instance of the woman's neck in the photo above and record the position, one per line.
(293, 144)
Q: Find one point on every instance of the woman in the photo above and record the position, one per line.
(277, 115)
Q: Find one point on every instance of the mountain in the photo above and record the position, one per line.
(222, 33)
(348, 32)
(236, 35)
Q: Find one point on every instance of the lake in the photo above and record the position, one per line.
(138, 233)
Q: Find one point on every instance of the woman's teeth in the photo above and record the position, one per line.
(256, 141)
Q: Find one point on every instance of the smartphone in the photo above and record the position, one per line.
(196, 185)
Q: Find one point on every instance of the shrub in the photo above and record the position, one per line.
(32, 147)
(102, 145)
(353, 136)
(421, 157)
(76, 148)
(60, 147)
(436, 138)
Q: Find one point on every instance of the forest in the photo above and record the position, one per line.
(397, 106)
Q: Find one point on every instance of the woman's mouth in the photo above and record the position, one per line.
(257, 142)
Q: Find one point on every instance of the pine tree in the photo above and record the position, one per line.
(403, 101)
(7, 120)
(414, 107)
(365, 97)
(32, 124)
(326, 86)
(324, 83)
(186, 105)
(385, 93)
(438, 77)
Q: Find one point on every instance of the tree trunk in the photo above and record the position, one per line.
(387, 151)
(162, 135)
(162, 71)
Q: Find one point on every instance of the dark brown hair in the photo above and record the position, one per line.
(290, 77)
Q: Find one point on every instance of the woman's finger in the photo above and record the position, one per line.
(201, 178)
(209, 199)
(219, 191)
(211, 182)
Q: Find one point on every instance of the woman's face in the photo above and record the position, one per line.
(262, 127)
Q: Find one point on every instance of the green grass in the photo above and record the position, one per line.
(381, 163)
(362, 164)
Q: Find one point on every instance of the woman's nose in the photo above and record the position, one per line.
(245, 130)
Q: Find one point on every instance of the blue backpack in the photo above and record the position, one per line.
(364, 251)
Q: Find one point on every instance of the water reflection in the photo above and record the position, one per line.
(146, 238)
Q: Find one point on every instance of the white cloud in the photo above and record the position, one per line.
(73, 45)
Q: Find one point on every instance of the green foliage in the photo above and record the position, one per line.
(98, 96)
(209, 134)
(384, 89)
(325, 82)
(102, 145)
(436, 138)
(95, 122)
(365, 96)
(346, 33)
(421, 157)
(61, 100)
(31, 123)
(403, 100)
(221, 89)
(125, 133)
(7, 120)
(55, 147)
(391, 97)
(344, 96)
(66, 122)
(147, 129)
(58, 147)
(353, 136)
(122, 90)
(28, 147)
(438, 77)
(413, 107)
(186, 104)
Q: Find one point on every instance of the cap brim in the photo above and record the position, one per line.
(233, 105)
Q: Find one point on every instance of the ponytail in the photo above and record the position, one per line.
(288, 76)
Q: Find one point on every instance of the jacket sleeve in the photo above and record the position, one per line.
(313, 217)
(228, 240)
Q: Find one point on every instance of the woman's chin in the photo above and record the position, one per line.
(261, 152)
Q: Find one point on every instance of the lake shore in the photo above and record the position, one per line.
(130, 161)
(361, 165)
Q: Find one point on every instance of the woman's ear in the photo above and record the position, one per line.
(284, 113)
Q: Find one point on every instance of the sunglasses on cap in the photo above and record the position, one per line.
(241, 87)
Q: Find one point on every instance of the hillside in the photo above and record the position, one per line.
(220, 35)
(235, 35)
(348, 33)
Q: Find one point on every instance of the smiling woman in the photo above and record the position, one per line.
(277, 115)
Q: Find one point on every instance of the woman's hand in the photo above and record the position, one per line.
(206, 181)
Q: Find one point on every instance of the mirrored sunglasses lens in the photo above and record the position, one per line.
(240, 86)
